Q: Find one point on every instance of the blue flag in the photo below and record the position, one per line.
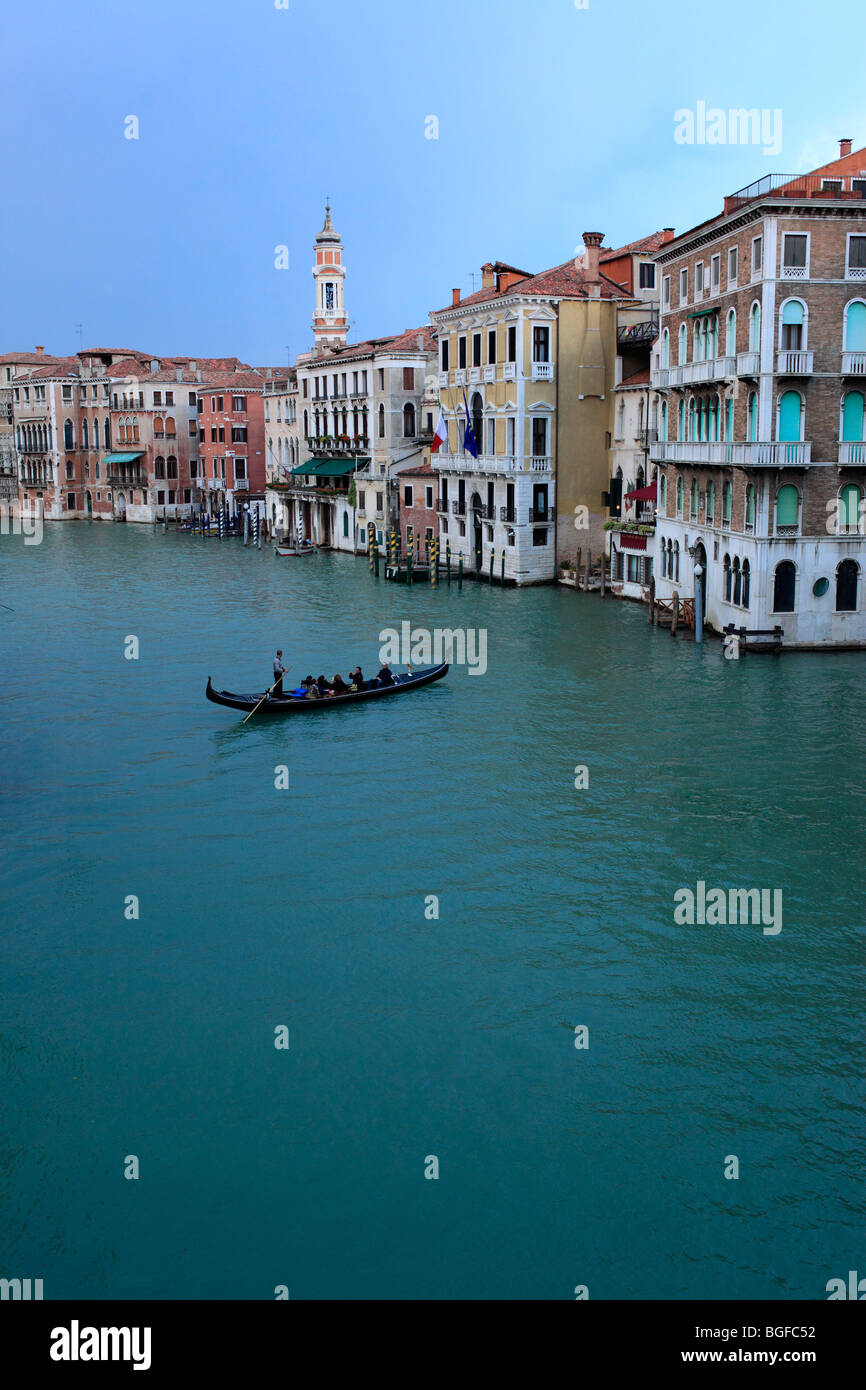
(470, 443)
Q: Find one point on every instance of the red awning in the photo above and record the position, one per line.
(644, 494)
(629, 541)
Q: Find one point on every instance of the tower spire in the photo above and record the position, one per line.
(330, 320)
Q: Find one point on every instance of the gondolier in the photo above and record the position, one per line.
(279, 672)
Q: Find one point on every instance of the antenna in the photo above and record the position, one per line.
(80, 330)
(288, 355)
(473, 277)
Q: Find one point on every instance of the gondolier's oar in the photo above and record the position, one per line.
(267, 692)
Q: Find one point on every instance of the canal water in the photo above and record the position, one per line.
(413, 1037)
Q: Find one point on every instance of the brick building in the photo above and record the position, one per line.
(419, 500)
(761, 369)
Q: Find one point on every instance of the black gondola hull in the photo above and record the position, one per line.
(292, 705)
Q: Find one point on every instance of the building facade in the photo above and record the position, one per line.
(530, 361)
(761, 369)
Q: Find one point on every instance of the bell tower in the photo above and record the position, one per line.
(330, 320)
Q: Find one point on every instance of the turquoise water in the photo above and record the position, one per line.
(412, 1037)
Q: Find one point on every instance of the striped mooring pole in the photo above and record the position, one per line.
(492, 558)
(371, 541)
(220, 522)
(434, 563)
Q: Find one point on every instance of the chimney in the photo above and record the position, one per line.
(192, 366)
(179, 374)
(40, 350)
(420, 342)
(592, 241)
(488, 277)
(667, 235)
(154, 366)
(455, 297)
(844, 148)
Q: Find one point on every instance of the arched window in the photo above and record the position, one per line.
(677, 561)
(792, 328)
(753, 416)
(750, 507)
(121, 431)
(727, 573)
(738, 580)
(693, 420)
(855, 326)
(170, 427)
(787, 508)
(666, 348)
(96, 434)
(663, 421)
(849, 510)
(727, 498)
(846, 586)
(679, 496)
(852, 416)
(711, 504)
(85, 436)
(755, 328)
(663, 494)
(68, 435)
(159, 467)
(171, 466)
(790, 417)
(306, 424)
(681, 345)
(381, 422)
(408, 421)
(784, 587)
(476, 405)
(670, 559)
(731, 333)
(681, 420)
(694, 511)
(715, 413)
(729, 423)
(158, 427)
(106, 431)
(134, 435)
(747, 583)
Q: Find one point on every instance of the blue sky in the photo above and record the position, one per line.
(553, 120)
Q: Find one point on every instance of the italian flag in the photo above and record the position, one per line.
(441, 435)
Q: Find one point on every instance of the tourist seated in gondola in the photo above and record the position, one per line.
(338, 685)
(324, 686)
(385, 676)
(313, 691)
(357, 678)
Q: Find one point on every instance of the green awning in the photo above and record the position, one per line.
(124, 458)
(703, 313)
(330, 468)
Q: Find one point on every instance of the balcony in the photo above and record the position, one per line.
(492, 463)
(509, 515)
(854, 363)
(794, 272)
(795, 363)
(458, 508)
(509, 371)
(852, 453)
(748, 363)
(542, 371)
(754, 454)
(855, 272)
(545, 514)
(121, 480)
(486, 513)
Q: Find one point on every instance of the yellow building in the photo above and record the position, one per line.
(532, 359)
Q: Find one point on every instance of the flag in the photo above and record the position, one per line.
(470, 443)
(441, 435)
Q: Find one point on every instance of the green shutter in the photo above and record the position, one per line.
(787, 506)
(852, 416)
(789, 417)
(855, 328)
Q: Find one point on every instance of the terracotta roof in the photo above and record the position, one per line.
(641, 378)
(28, 359)
(249, 380)
(63, 366)
(643, 246)
(566, 281)
(402, 342)
(418, 470)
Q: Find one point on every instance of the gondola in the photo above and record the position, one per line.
(292, 704)
(288, 552)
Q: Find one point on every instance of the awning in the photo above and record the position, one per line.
(644, 494)
(702, 313)
(123, 458)
(330, 468)
(629, 541)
